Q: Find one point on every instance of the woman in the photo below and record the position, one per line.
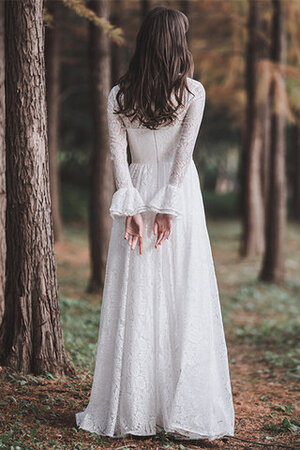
(161, 358)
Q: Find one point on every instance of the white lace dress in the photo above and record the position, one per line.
(161, 359)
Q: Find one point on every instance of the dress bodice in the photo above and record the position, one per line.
(148, 146)
(174, 143)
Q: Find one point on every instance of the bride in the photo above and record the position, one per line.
(161, 361)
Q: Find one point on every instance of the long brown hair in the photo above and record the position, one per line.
(159, 67)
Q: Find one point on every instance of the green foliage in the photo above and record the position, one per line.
(9, 438)
(74, 203)
(288, 409)
(277, 329)
(79, 7)
(80, 321)
(47, 18)
(290, 425)
(219, 206)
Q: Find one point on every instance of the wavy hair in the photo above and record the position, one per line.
(158, 68)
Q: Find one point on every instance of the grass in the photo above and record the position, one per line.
(80, 321)
(262, 315)
(260, 321)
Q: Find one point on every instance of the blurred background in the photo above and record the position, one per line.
(218, 36)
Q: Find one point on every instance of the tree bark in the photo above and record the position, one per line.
(264, 104)
(2, 164)
(31, 338)
(185, 7)
(273, 268)
(52, 53)
(296, 184)
(119, 55)
(253, 212)
(265, 119)
(146, 5)
(102, 186)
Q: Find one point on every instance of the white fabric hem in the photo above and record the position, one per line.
(167, 200)
(126, 201)
(176, 431)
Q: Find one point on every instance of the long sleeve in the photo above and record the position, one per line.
(168, 199)
(126, 200)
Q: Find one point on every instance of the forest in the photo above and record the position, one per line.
(58, 61)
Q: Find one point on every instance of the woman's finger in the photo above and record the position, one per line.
(127, 227)
(167, 234)
(141, 237)
(163, 237)
(160, 237)
(134, 241)
(141, 244)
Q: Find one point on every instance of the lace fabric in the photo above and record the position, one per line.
(189, 132)
(190, 118)
(161, 357)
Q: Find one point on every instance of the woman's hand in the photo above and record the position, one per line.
(134, 231)
(162, 227)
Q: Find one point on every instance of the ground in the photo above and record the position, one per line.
(261, 328)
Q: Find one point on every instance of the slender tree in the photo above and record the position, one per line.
(265, 121)
(273, 268)
(296, 173)
(52, 54)
(101, 170)
(253, 210)
(185, 7)
(146, 5)
(30, 335)
(256, 142)
(119, 56)
(2, 163)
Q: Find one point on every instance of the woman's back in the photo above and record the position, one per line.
(161, 356)
(173, 144)
(158, 145)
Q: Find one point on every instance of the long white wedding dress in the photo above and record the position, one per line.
(161, 359)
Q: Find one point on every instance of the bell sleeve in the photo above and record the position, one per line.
(168, 199)
(126, 200)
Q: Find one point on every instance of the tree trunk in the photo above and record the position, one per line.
(185, 7)
(241, 179)
(273, 268)
(52, 53)
(146, 5)
(2, 164)
(30, 335)
(265, 119)
(119, 55)
(296, 184)
(264, 103)
(253, 213)
(102, 186)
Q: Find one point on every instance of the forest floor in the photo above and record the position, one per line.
(261, 328)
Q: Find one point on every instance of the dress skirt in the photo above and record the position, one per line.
(161, 359)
